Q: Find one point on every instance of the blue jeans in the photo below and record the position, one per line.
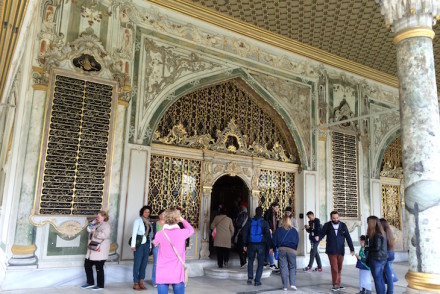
(177, 288)
(388, 272)
(269, 257)
(259, 250)
(377, 270)
(153, 274)
(287, 263)
(140, 261)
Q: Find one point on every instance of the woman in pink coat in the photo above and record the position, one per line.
(100, 232)
(169, 268)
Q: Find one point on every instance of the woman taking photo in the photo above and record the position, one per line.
(142, 231)
(377, 252)
(157, 226)
(97, 252)
(388, 271)
(171, 256)
(286, 240)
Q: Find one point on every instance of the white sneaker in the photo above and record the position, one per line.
(284, 289)
(293, 287)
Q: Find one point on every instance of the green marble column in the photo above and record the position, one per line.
(419, 115)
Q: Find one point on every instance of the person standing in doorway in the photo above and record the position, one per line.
(271, 217)
(313, 228)
(240, 223)
(337, 233)
(222, 242)
(256, 234)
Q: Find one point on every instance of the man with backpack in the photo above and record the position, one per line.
(256, 235)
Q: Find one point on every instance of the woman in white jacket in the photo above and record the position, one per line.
(141, 246)
(100, 232)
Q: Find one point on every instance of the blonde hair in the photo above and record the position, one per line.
(104, 214)
(286, 222)
(171, 216)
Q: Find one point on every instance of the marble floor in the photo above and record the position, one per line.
(306, 283)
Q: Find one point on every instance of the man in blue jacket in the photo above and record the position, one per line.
(336, 232)
(256, 235)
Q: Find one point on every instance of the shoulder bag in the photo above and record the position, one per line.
(178, 256)
(94, 246)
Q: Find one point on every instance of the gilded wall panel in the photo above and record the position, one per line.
(173, 182)
(279, 187)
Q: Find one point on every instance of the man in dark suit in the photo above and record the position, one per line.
(337, 233)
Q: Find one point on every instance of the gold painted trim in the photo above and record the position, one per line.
(423, 281)
(123, 102)
(215, 18)
(40, 87)
(38, 69)
(414, 32)
(23, 249)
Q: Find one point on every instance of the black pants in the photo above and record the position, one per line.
(314, 253)
(222, 255)
(88, 266)
(241, 253)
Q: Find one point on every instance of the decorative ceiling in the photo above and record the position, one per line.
(351, 29)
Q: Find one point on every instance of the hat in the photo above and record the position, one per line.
(288, 208)
(363, 238)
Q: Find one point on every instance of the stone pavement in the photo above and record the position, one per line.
(306, 283)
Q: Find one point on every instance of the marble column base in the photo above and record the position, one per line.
(422, 282)
(204, 252)
(23, 260)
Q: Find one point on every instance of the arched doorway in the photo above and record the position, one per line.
(230, 192)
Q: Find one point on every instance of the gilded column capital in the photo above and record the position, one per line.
(403, 14)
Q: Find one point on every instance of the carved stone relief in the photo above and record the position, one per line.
(382, 124)
(342, 113)
(295, 98)
(165, 65)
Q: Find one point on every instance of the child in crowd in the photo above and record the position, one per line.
(364, 270)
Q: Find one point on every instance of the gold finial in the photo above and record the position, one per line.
(412, 11)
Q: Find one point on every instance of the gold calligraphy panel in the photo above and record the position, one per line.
(345, 184)
(277, 186)
(175, 182)
(77, 152)
(391, 205)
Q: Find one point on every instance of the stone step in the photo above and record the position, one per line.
(233, 273)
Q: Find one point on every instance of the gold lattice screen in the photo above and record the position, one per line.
(345, 188)
(392, 158)
(175, 182)
(209, 110)
(391, 205)
(277, 186)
